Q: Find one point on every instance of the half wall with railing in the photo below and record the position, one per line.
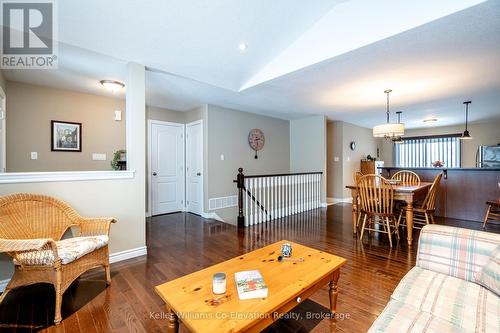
(262, 198)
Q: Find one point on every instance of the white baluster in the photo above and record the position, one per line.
(269, 198)
(251, 189)
(286, 210)
(246, 201)
(278, 207)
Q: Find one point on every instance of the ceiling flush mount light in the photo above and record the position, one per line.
(112, 85)
(243, 47)
(389, 130)
(430, 120)
(466, 135)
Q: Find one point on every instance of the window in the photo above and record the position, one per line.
(422, 152)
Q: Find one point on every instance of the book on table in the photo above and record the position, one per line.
(250, 284)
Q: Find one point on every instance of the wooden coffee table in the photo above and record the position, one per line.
(190, 298)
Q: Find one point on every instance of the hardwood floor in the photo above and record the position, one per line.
(179, 244)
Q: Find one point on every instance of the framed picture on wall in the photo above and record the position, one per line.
(66, 136)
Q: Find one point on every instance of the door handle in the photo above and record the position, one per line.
(154, 173)
(198, 174)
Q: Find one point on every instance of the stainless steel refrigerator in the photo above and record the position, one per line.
(488, 157)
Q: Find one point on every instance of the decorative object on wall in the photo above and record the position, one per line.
(119, 160)
(388, 130)
(256, 139)
(438, 164)
(466, 135)
(352, 145)
(66, 136)
(112, 85)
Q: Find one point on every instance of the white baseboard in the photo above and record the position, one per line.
(113, 258)
(339, 200)
(213, 216)
(128, 254)
(3, 284)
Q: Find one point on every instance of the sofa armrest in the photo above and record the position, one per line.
(95, 226)
(454, 251)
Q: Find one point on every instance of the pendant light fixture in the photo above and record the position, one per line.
(388, 130)
(466, 135)
(398, 139)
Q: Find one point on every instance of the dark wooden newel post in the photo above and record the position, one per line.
(240, 183)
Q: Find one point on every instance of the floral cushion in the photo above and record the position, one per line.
(69, 250)
(463, 304)
(489, 275)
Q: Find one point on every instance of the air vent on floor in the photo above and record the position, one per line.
(224, 202)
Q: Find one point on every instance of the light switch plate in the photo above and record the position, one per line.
(98, 157)
(34, 155)
(336, 159)
(118, 115)
(222, 157)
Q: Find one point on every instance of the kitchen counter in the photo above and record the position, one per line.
(463, 192)
(443, 169)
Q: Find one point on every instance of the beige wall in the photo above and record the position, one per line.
(121, 198)
(3, 83)
(155, 113)
(484, 134)
(334, 150)
(366, 144)
(30, 109)
(340, 135)
(308, 147)
(227, 133)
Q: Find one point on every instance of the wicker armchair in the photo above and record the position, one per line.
(31, 228)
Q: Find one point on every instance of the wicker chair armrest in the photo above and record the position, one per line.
(23, 245)
(29, 251)
(95, 226)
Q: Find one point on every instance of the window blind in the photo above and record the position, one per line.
(422, 152)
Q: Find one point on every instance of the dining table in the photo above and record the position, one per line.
(407, 193)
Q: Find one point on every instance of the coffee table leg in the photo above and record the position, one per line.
(173, 322)
(334, 290)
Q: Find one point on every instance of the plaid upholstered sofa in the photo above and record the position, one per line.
(440, 293)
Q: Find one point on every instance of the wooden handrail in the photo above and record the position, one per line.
(285, 174)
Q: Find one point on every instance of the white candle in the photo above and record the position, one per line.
(219, 283)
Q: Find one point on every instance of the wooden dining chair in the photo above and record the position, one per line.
(406, 177)
(377, 204)
(356, 176)
(424, 213)
(493, 212)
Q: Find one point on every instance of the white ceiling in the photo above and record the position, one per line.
(327, 57)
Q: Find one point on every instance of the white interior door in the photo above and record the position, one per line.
(3, 137)
(167, 167)
(194, 167)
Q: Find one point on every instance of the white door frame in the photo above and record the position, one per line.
(203, 166)
(149, 152)
(4, 134)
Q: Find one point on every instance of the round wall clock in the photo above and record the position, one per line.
(352, 145)
(256, 139)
